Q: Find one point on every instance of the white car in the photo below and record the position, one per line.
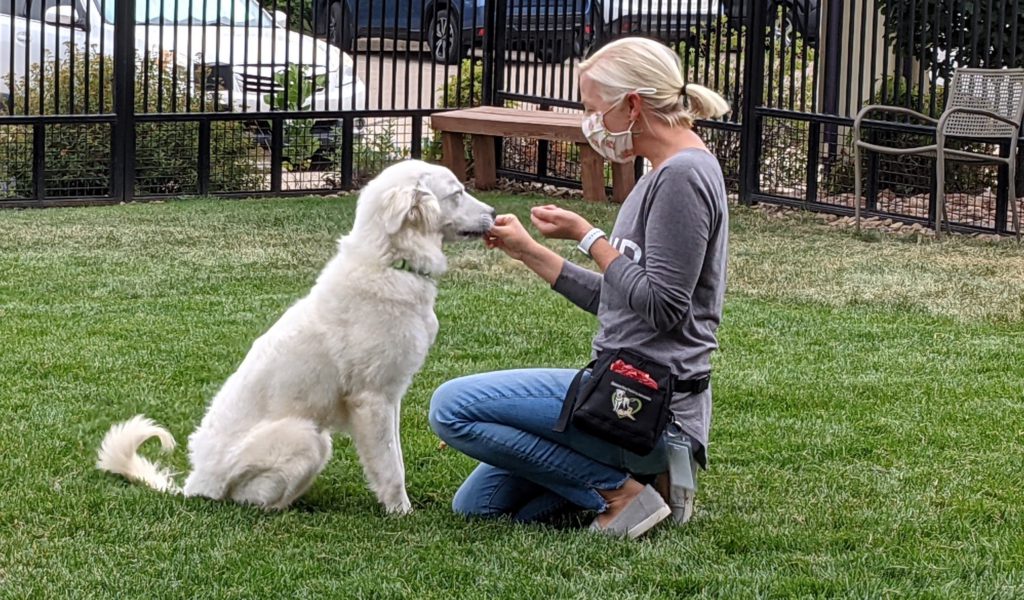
(235, 46)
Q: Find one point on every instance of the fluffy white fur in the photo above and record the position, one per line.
(340, 359)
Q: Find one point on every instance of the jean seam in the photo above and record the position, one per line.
(528, 458)
(490, 497)
(553, 508)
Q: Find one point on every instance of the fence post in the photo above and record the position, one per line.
(39, 161)
(123, 131)
(832, 42)
(490, 23)
(753, 96)
(495, 14)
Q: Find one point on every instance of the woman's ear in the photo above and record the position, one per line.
(635, 105)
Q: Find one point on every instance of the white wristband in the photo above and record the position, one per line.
(588, 240)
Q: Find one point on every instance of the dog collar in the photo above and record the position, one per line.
(403, 265)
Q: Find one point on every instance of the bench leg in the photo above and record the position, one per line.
(623, 180)
(592, 167)
(453, 153)
(485, 167)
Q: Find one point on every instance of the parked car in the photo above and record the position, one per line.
(799, 17)
(554, 29)
(232, 49)
(670, 21)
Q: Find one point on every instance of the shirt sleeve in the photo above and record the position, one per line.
(677, 230)
(580, 286)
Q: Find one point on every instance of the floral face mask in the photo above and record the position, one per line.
(614, 146)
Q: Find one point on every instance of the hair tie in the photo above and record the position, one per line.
(683, 91)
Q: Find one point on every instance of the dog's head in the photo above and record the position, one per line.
(416, 198)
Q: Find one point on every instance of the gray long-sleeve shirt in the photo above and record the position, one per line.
(663, 296)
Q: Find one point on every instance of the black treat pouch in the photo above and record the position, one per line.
(626, 401)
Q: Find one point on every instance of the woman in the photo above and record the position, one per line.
(659, 291)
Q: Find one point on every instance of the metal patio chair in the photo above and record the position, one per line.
(986, 105)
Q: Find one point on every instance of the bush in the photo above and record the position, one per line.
(904, 175)
(300, 145)
(300, 12)
(464, 89)
(939, 32)
(78, 155)
(783, 156)
(373, 151)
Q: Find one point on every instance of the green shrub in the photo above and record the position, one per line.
(300, 12)
(373, 151)
(903, 175)
(300, 145)
(78, 155)
(464, 89)
(783, 156)
(939, 32)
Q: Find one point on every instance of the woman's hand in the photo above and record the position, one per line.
(558, 223)
(509, 236)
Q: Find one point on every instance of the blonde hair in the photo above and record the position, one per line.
(633, 63)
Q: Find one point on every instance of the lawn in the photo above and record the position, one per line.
(867, 437)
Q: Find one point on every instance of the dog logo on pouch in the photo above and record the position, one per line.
(625, 406)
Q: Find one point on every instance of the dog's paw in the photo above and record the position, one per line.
(400, 508)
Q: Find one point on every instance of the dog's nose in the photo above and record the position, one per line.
(493, 213)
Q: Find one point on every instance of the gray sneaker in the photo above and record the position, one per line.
(640, 515)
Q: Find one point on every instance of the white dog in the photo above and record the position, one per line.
(339, 359)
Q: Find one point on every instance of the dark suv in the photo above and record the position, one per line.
(798, 16)
(553, 29)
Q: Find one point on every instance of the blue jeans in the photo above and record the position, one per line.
(529, 472)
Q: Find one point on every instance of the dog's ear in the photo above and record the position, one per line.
(411, 203)
(397, 204)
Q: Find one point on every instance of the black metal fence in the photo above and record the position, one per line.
(112, 101)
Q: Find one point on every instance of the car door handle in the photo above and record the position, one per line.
(21, 36)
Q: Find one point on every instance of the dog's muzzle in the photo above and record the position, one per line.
(486, 222)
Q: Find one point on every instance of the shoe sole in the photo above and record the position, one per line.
(647, 524)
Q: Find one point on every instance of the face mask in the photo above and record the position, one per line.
(616, 147)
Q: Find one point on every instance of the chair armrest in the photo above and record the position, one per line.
(974, 111)
(885, 108)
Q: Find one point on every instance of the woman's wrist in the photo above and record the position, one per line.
(537, 253)
(543, 261)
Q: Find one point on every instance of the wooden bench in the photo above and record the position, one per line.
(485, 123)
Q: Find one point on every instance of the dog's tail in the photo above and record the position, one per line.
(119, 453)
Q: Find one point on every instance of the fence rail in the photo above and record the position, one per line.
(110, 101)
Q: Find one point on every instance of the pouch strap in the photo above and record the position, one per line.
(692, 386)
(570, 399)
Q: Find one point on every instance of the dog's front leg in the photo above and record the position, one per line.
(374, 429)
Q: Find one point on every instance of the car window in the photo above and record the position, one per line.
(37, 8)
(196, 12)
(13, 7)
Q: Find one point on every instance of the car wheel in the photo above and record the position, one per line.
(558, 51)
(445, 38)
(553, 53)
(340, 30)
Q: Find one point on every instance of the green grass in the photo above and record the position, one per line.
(866, 439)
